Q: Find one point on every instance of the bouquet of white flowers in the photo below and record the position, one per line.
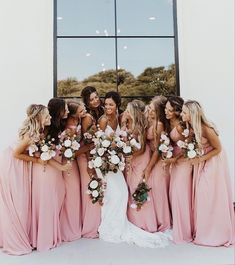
(165, 148)
(69, 144)
(189, 146)
(96, 188)
(107, 154)
(44, 148)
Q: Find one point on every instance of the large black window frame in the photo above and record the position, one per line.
(56, 37)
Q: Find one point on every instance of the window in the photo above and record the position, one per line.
(124, 45)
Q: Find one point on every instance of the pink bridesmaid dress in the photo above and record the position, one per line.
(160, 182)
(91, 213)
(181, 196)
(70, 217)
(145, 217)
(48, 192)
(15, 204)
(213, 201)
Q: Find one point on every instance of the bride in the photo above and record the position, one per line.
(115, 226)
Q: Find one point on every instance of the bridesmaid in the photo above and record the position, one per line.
(15, 183)
(91, 213)
(48, 188)
(212, 192)
(135, 122)
(155, 170)
(70, 217)
(180, 192)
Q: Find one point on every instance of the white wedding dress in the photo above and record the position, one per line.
(115, 226)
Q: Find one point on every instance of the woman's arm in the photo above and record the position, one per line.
(103, 122)
(213, 140)
(87, 122)
(20, 151)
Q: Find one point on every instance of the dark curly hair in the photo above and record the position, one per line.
(85, 94)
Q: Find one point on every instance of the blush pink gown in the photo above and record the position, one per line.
(91, 213)
(48, 192)
(70, 217)
(15, 204)
(181, 196)
(212, 201)
(160, 182)
(145, 217)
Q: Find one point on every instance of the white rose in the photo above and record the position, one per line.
(52, 153)
(93, 151)
(133, 142)
(106, 143)
(95, 193)
(94, 184)
(114, 159)
(120, 144)
(45, 156)
(164, 137)
(99, 133)
(91, 164)
(181, 144)
(97, 162)
(117, 139)
(185, 132)
(138, 146)
(169, 154)
(68, 153)
(127, 150)
(190, 146)
(44, 148)
(75, 145)
(121, 166)
(191, 154)
(67, 143)
(100, 151)
(167, 141)
(163, 148)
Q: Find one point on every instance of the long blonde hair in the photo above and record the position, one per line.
(159, 103)
(136, 110)
(198, 118)
(32, 124)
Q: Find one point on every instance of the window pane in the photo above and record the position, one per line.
(146, 67)
(83, 62)
(85, 17)
(143, 18)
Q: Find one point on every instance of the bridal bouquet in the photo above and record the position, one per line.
(140, 196)
(96, 188)
(165, 148)
(107, 154)
(69, 143)
(44, 148)
(190, 148)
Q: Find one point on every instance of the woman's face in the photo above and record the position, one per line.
(169, 111)
(185, 114)
(46, 118)
(94, 101)
(81, 112)
(110, 106)
(66, 112)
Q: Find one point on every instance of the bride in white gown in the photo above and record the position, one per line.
(115, 226)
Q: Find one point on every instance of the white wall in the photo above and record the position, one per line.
(206, 55)
(206, 50)
(26, 60)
